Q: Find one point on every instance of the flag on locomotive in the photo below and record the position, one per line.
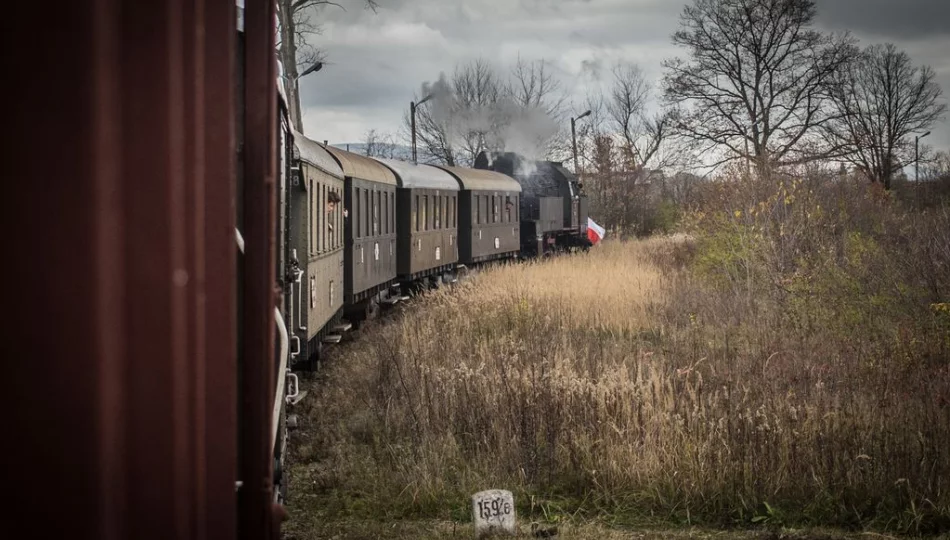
(595, 233)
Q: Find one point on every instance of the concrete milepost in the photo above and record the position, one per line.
(493, 512)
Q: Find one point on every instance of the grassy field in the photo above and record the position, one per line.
(623, 391)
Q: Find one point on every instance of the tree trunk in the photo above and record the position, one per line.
(288, 57)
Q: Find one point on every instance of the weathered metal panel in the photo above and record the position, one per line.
(361, 167)
(128, 335)
(422, 252)
(482, 241)
(257, 327)
(370, 256)
(420, 176)
(482, 180)
(550, 214)
(314, 154)
(319, 295)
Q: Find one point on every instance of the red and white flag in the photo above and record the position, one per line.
(595, 233)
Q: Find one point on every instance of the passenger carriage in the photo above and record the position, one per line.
(426, 223)
(369, 233)
(316, 241)
(489, 226)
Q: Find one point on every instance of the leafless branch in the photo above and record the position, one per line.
(882, 99)
(757, 79)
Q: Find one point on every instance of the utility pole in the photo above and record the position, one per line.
(412, 115)
(574, 139)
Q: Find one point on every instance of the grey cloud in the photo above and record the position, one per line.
(378, 61)
(887, 19)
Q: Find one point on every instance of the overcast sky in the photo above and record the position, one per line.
(376, 61)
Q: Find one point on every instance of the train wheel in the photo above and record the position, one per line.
(316, 356)
(371, 310)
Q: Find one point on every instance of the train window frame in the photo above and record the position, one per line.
(386, 213)
(356, 214)
(321, 217)
(320, 197)
(310, 216)
(415, 214)
(450, 214)
(478, 209)
(425, 212)
(366, 209)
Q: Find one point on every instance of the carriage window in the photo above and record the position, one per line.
(366, 212)
(321, 218)
(356, 214)
(485, 209)
(327, 217)
(425, 212)
(438, 211)
(392, 214)
(455, 212)
(476, 200)
(310, 215)
(415, 213)
(386, 212)
(333, 220)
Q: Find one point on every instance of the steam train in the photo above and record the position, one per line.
(356, 234)
(360, 233)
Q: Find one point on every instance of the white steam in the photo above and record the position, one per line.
(496, 124)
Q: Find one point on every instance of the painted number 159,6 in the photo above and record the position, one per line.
(493, 508)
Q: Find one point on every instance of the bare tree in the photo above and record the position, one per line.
(642, 134)
(881, 100)
(479, 110)
(756, 82)
(478, 88)
(296, 27)
(381, 145)
(532, 85)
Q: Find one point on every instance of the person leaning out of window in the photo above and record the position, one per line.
(333, 200)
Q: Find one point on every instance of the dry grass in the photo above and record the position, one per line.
(612, 388)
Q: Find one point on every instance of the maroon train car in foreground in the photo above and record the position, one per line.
(143, 349)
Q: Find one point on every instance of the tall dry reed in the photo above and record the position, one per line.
(613, 385)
